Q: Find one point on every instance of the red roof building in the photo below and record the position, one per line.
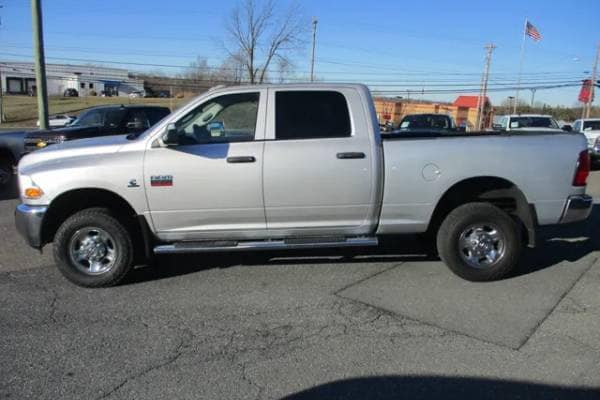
(469, 101)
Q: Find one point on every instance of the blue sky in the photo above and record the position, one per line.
(391, 45)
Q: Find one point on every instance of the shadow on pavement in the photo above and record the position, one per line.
(446, 388)
(394, 249)
(555, 244)
(562, 243)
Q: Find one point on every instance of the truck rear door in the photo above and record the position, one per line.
(318, 165)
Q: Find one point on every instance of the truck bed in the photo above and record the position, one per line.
(421, 167)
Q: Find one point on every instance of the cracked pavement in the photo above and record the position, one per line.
(280, 325)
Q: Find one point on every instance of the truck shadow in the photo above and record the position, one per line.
(555, 244)
(563, 243)
(438, 387)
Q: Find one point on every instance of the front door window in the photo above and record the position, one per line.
(224, 119)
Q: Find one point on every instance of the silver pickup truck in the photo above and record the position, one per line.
(295, 166)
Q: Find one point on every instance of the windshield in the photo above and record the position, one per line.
(533, 122)
(109, 118)
(425, 122)
(591, 125)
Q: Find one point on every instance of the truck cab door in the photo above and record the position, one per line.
(320, 167)
(208, 183)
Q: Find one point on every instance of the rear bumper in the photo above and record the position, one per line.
(578, 208)
(28, 220)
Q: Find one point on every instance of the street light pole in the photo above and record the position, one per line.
(314, 45)
(40, 64)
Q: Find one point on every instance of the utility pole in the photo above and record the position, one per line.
(1, 98)
(484, 85)
(532, 95)
(40, 63)
(1, 88)
(314, 45)
(588, 106)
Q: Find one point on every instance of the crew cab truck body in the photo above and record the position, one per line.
(294, 166)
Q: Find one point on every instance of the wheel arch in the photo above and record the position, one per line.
(72, 201)
(500, 192)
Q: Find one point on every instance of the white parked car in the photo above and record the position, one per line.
(136, 94)
(528, 122)
(590, 127)
(58, 121)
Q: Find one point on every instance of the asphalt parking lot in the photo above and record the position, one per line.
(387, 323)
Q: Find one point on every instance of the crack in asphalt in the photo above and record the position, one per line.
(177, 353)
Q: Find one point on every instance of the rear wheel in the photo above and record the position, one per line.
(93, 249)
(479, 242)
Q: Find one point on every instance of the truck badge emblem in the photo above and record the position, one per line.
(161, 180)
(133, 183)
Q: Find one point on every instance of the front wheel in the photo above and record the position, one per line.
(93, 249)
(479, 242)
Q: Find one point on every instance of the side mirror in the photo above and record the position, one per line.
(567, 128)
(217, 127)
(171, 135)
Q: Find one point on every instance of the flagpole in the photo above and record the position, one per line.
(520, 67)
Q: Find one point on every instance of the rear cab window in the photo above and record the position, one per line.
(311, 115)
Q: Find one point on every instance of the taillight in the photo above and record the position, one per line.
(583, 169)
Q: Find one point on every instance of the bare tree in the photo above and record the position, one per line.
(257, 35)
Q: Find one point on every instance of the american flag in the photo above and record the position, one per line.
(532, 32)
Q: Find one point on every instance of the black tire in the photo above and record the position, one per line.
(120, 242)
(461, 221)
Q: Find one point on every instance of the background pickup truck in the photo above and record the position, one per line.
(94, 122)
(295, 166)
(11, 149)
(428, 124)
(529, 122)
(99, 121)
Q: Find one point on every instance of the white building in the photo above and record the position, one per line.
(19, 78)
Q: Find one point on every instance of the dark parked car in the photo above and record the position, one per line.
(11, 149)
(99, 121)
(427, 123)
(71, 93)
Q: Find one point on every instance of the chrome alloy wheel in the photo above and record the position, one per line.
(92, 250)
(481, 245)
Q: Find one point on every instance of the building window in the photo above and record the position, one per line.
(91, 85)
(82, 85)
(15, 85)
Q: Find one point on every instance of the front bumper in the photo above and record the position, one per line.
(578, 208)
(28, 220)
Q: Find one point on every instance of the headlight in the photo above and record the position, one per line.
(29, 189)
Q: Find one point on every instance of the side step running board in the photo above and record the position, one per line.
(296, 243)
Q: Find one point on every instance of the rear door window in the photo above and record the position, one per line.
(311, 115)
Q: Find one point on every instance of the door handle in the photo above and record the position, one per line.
(241, 159)
(350, 155)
